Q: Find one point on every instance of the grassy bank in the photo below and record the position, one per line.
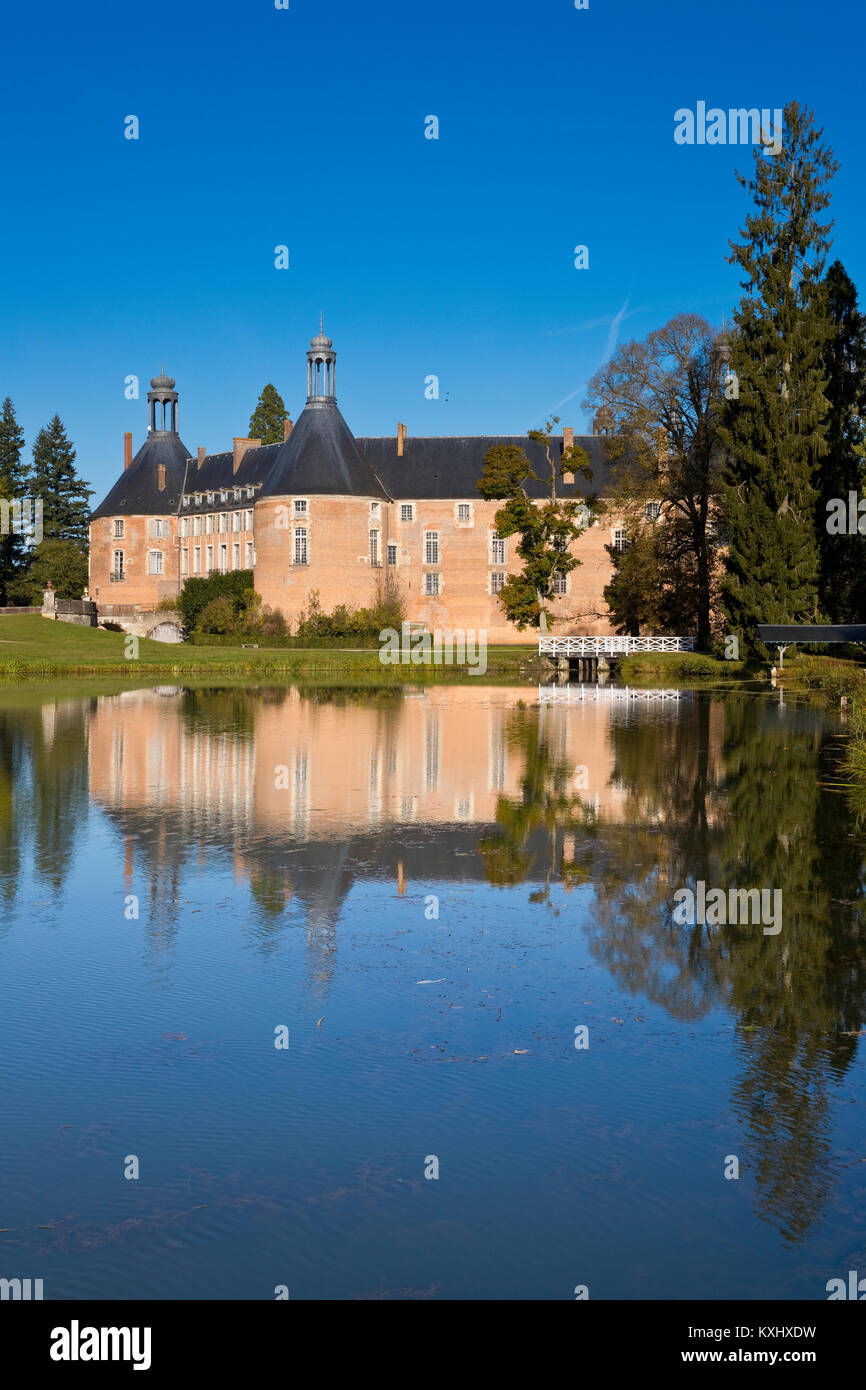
(36, 648)
(682, 668)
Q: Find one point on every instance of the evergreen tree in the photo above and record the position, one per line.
(841, 471)
(774, 431)
(266, 422)
(62, 563)
(54, 479)
(13, 486)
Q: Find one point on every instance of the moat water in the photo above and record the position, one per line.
(456, 907)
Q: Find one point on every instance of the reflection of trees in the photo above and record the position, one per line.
(728, 792)
(795, 995)
(547, 807)
(43, 789)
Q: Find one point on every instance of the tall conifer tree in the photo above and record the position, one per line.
(841, 470)
(54, 477)
(774, 431)
(13, 486)
(266, 421)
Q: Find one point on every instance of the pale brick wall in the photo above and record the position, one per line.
(338, 553)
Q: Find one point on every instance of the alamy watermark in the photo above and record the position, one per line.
(846, 518)
(22, 517)
(713, 907)
(442, 647)
(737, 126)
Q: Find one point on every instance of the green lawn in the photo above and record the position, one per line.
(32, 646)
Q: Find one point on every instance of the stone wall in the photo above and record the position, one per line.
(81, 611)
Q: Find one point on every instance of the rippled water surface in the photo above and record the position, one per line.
(431, 890)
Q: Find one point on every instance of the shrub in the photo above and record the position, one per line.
(197, 594)
(166, 605)
(218, 616)
(273, 623)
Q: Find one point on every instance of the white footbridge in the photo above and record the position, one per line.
(611, 646)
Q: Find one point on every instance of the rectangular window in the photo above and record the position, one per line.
(236, 521)
(497, 551)
(118, 530)
(238, 494)
(223, 521)
(249, 519)
(431, 547)
(392, 554)
(374, 548)
(184, 561)
(236, 555)
(186, 501)
(406, 511)
(210, 498)
(250, 558)
(652, 510)
(196, 559)
(156, 527)
(560, 584)
(464, 511)
(224, 494)
(497, 580)
(184, 523)
(251, 492)
(117, 565)
(154, 562)
(300, 506)
(196, 525)
(300, 545)
(431, 584)
(620, 540)
(224, 558)
(208, 524)
(209, 558)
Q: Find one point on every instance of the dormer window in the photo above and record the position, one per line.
(238, 494)
(198, 499)
(186, 501)
(209, 500)
(251, 492)
(224, 494)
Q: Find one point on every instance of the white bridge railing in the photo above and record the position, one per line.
(604, 694)
(611, 646)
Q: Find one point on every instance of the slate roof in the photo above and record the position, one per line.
(136, 491)
(450, 466)
(320, 456)
(216, 469)
(845, 632)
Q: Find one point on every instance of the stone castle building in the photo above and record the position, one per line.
(328, 512)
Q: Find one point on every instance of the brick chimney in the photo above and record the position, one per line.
(567, 443)
(202, 454)
(160, 476)
(288, 426)
(127, 450)
(239, 448)
(401, 440)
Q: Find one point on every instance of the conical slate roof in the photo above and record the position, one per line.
(137, 490)
(320, 456)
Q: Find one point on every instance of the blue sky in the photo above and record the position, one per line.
(305, 127)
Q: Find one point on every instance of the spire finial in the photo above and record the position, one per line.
(321, 323)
